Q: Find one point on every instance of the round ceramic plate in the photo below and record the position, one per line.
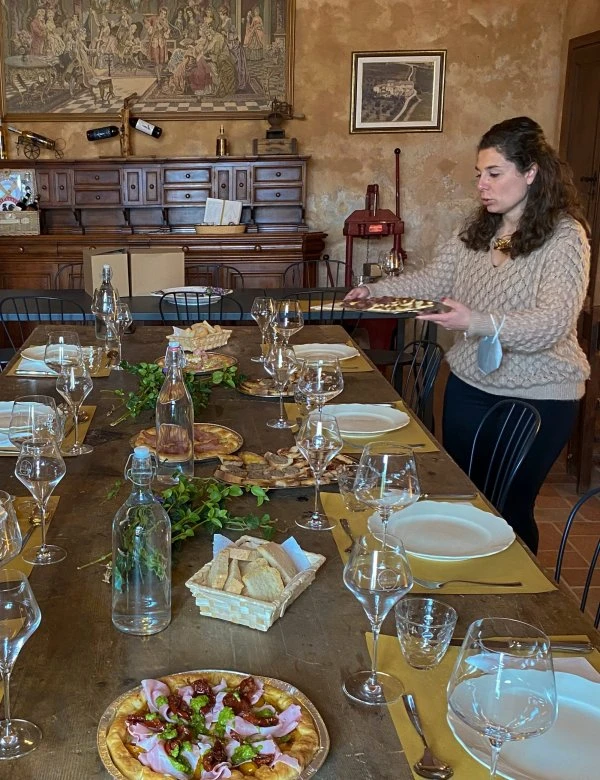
(308, 771)
(366, 419)
(570, 750)
(206, 295)
(215, 361)
(229, 441)
(325, 351)
(34, 353)
(444, 531)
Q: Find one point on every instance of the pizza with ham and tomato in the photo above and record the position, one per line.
(211, 726)
(210, 441)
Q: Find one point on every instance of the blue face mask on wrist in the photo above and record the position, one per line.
(489, 351)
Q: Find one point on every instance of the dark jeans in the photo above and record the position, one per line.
(465, 407)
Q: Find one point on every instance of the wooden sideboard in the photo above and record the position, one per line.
(140, 202)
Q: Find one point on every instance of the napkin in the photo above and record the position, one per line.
(34, 367)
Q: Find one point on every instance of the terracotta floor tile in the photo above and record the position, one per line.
(557, 516)
(548, 490)
(574, 577)
(572, 559)
(550, 537)
(553, 502)
(584, 544)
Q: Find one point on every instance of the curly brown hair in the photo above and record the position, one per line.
(552, 193)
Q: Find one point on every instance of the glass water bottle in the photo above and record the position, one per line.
(174, 420)
(141, 546)
(104, 303)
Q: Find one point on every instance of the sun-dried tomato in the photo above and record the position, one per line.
(217, 755)
(237, 705)
(247, 688)
(258, 720)
(178, 706)
(264, 759)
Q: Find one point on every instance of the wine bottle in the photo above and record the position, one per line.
(222, 145)
(145, 127)
(36, 138)
(98, 133)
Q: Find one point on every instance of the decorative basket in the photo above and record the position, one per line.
(245, 610)
(19, 223)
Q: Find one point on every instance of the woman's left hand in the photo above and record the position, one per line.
(458, 318)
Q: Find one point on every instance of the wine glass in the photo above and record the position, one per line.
(75, 384)
(378, 573)
(280, 364)
(40, 468)
(262, 312)
(114, 334)
(503, 682)
(62, 349)
(320, 381)
(387, 478)
(11, 540)
(319, 440)
(32, 415)
(19, 617)
(287, 318)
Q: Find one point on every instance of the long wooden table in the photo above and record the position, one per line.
(76, 663)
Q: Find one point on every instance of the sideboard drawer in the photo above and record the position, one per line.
(187, 175)
(278, 194)
(278, 173)
(98, 197)
(186, 196)
(101, 178)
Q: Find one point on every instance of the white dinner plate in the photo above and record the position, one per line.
(570, 750)
(366, 419)
(203, 300)
(325, 351)
(34, 353)
(445, 531)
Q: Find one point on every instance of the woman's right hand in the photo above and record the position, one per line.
(357, 293)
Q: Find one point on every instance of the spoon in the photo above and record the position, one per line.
(428, 765)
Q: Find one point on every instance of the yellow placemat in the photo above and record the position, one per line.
(69, 440)
(356, 365)
(20, 366)
(513, 563)
(429, 690)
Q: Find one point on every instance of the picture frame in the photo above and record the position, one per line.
(397, 91)
(185, 59)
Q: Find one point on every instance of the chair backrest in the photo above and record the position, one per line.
(415, 371)
(502, 440)
(563, 544)
(185, 308)
(335, 271)
(324, 307)
(17, 312)
(216, 274)
(69, 277)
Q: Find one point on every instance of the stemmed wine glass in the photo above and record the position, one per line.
(280, 364)
(503, 682)
(123, 319)
(378, 573)
(387, 479)
(40, 468)
(320, 381)
(33, 415)
(11, 540)
(105, 303)
(75, 384)
(62, 349)
(287, 319)
(319, 440)
(19, 617)
(262, 313)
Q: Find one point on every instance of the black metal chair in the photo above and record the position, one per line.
(507, 432)
(563, 545)
(214, 274)
(184, 308)
(324, 307)
(68, 277)
(335, 271)
(19, 313)
(414, 375)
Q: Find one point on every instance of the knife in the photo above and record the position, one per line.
(22, 372)
(448, 496)
(560, 646)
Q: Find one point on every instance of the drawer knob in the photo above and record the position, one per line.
(223, 186)
(187, 195)
(188, 175)
(277, 194)
(97, 177)
(133, 186)
(44, 187)
(241, 184)
(257, 248)
(152, 186)
(97, 197)
(21, 249)
(62, 186)
(278, 174)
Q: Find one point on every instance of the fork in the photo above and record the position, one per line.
(346, 526)
(436, 585)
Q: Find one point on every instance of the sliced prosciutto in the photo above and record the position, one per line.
(158, 760)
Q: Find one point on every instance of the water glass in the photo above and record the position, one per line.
(320, 381)
(319, 440)
(280, 364)
(75, 384)
(287, 318)
(62, 349)
(425, 627)
(114, 334)
(10, 533)
(92, 358)
(346, 478)
(262, 313)
(32, 415)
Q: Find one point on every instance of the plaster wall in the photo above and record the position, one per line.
(504, 58)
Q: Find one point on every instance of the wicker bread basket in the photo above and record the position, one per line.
(190, 341)
(245, 610)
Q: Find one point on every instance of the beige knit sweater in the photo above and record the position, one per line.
(540, 296)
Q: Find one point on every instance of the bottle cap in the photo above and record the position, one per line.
(173, 344)
(141, 452)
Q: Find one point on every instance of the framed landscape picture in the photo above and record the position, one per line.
(397, 91)
(185, 59)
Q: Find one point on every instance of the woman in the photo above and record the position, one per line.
(518, 267)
